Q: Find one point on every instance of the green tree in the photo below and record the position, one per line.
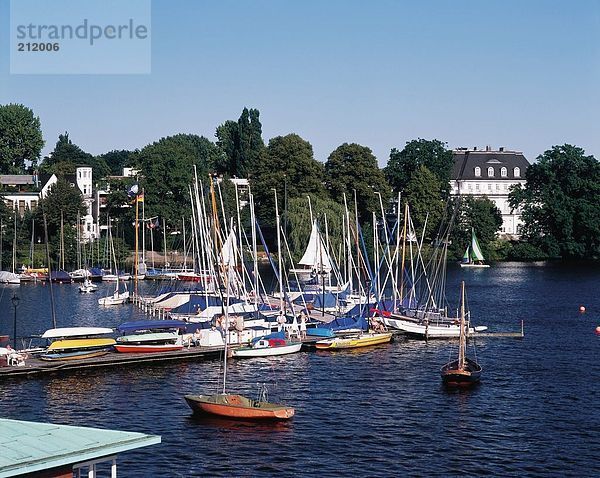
(288, 166)
(20, 138)
(242, 144)
(433, 154)
(560, 203)
(168, 171)
(422, 195)
(67, 156)
(480, 214)
(354, 167)
(116, 160)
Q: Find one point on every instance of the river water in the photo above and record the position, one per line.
(377, 412)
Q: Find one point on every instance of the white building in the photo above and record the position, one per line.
(488, 173)
(25, 191)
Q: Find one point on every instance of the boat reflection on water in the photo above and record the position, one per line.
(253, 427)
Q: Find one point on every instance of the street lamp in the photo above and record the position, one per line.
(15, 302)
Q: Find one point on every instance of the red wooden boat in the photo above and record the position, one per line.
(238, 407)
(148, 348)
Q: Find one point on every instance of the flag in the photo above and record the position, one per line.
(133, 190)
(140, 197)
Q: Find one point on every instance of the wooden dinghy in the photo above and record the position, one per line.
(238, 407)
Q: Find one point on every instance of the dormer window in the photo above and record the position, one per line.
(517, 172)
(477, 172)
(503, 172)
(490, 172)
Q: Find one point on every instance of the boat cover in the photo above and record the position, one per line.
(151, 325)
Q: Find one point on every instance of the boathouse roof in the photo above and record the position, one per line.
(466, 162)
(30, 447)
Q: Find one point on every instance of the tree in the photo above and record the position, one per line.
(560, 203)
(116, 160)
(480, 214)
(67, 156)
(168, 171)
(242, 144)
(354, 167)
(20, 138)
(433, 154)
(288, 166)
(422, 195)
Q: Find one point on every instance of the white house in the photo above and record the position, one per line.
(489, 173)
(25, 191)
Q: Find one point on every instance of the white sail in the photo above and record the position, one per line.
(228, 256)
(316, 255)
(475, 249)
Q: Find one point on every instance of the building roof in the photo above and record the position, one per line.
(16, 179)
(465, 162)
(29, 446)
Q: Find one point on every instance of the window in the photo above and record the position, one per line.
(477, 187)
(517, 172)
(497, 187)
(503, 172)
(490, 172)
(477, 171)
(489, 187)
(470, 187)
(33, 204)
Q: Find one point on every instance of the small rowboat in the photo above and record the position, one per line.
(149, 348)
(80, 344)
(77, 355)
(238, 407)
(267, 348)
(455, 375)
(148, 343)
(362, 340)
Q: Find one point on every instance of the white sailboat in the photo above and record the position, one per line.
(473, 256)
(118, 297)
(315, 259)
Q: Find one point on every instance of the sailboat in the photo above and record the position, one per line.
(315, 259)
(118, 297)
(229, 405)
(462, 371)
(473, 256)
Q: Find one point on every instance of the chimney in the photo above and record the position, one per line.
(474, 148)
(488, 148)
(501, 149)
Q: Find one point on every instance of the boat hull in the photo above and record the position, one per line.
(440, 330)
(454, 376)
(475, 266)
(147, 348)
(364, 340)
(251, 352)
(80, 344)
(77, 355)
(238, 407)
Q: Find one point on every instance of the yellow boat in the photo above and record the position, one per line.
(80, 344)
(362, 340)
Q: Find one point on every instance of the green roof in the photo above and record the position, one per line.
(30, 446)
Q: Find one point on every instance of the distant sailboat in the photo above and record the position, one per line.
(473, 256)
(315, 259)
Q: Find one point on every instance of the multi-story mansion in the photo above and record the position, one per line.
(491, 174)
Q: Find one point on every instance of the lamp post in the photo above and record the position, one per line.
(15, 302)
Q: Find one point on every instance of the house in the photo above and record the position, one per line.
(22, 192)
(490, 173)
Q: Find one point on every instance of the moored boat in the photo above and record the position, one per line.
(473, 256)
(462, 371)
(151, 336)
(267, 347)
(70, 343)
(355, 341)
(237, 406)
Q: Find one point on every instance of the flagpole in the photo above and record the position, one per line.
(136, 260)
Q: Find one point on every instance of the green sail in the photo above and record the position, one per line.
(476, 253)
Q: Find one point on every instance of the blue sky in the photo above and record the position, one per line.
(520, 74)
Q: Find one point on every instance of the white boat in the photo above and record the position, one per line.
(425, 329)
(267, 348)
(117, 298)
(7, 277)
(473, 256)
(315, 260)
(88, 286)
(64, 332)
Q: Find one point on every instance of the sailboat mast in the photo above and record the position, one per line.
(279, 256)
(52, 307)
(62, 241)
(403, 254)
(137, 240)
(14, 257)
(463, 338)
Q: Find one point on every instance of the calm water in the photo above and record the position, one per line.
(380, 412)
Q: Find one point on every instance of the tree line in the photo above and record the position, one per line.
(559, 201)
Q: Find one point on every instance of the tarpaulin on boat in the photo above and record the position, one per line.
(57, 276)
(342, 323)
(198, 302)
(328, 298)
(274, 335)
(151, 325)
(96, 271)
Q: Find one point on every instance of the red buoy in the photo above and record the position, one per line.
(581, 308)
(598, 330)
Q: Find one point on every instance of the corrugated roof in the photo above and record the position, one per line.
(16, 179)
(484, 159)
(30, 446)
